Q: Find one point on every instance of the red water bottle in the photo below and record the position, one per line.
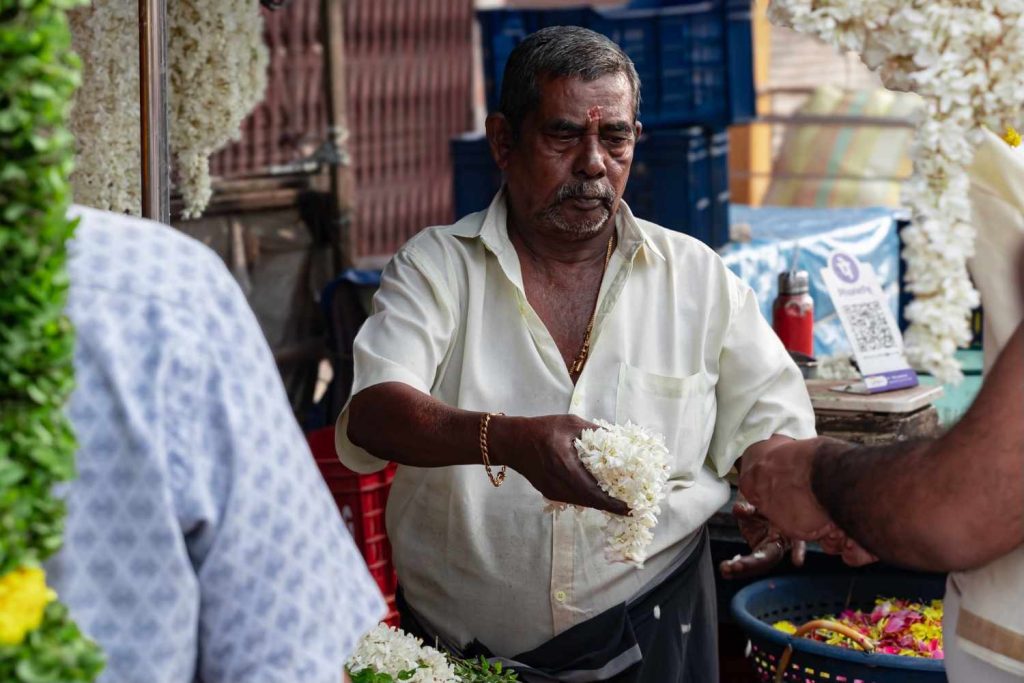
(793, 312)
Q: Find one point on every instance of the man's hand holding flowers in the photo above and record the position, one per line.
(542, 450)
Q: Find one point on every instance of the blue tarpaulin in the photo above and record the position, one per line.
(869, 234)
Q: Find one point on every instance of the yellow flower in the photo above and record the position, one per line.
(23, 599)
(785, 627)
(925, 632)
(934, 612)
(1012, 137)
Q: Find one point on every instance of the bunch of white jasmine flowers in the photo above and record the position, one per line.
(630, 463)
(390, 651)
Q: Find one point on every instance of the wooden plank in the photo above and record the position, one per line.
(903, 401)
(874, 429)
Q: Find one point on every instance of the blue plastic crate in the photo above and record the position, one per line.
(673, 181)
(740, 50)
(475, 177)
(670, 183)
(718, 148)
(693, 72)
(694, 59)
(503, 30)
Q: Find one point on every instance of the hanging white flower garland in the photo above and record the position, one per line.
(105, 117)
(964, 58)
(217, 65)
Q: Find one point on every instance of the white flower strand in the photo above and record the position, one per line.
(965, 58)
(105, 117)
(630, 463)
(217, 64)
(218, 75)
(388, 650)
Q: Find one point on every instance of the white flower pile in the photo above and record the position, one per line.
(836, 367)
(388, 650)
(965, 58)
(105, 118)
(630, 463)
(217, 64)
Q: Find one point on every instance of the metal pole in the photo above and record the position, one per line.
(342, 178)
(153, 94)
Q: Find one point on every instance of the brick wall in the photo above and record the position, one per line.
(799, 61)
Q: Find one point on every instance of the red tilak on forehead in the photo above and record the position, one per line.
(594, 113)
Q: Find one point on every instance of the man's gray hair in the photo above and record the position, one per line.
(559, 52)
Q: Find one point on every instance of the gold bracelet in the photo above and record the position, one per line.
(499, 479)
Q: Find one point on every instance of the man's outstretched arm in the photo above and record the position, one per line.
(394, 421)
(950, 504)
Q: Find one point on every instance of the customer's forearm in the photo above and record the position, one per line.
(923, 505)
(880, 497)
(393, 421)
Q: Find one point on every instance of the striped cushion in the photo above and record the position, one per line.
(845, 165)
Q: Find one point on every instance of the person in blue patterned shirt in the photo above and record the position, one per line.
(201, 543)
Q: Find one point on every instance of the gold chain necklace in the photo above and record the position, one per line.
(581, 358)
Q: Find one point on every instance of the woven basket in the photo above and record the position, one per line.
(804, 599)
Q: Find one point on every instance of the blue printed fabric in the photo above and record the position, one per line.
(201, 544)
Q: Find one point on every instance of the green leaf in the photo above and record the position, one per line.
(367, 676)
(10, 473)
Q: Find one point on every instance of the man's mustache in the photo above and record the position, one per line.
(585, 190)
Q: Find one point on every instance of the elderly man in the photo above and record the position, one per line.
(495, 339)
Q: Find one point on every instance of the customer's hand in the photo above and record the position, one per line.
(542, 450)
(776, 479)
(768, 545)
(853, 554)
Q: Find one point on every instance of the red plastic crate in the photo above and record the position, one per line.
(361, 499)
(392, 619)
(384, 573)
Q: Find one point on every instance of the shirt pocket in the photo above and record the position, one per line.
(669, 405)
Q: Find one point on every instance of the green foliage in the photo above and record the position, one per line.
(467, 671)
(56, 652)
(482, 671)
(38, 76)
(371, 676)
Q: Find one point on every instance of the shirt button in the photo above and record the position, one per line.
(576, 401)
(560, 596)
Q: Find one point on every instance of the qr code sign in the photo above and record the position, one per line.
(870, 326)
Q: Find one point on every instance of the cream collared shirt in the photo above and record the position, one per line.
(679, 346)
